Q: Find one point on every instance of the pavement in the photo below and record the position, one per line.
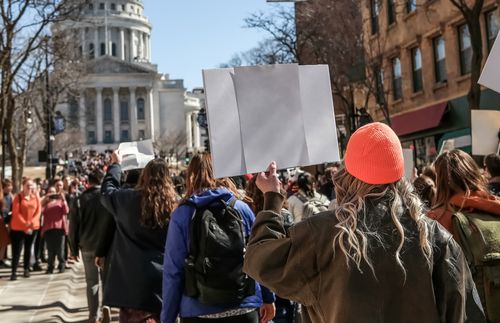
(45, 298)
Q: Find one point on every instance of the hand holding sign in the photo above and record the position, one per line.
(269, 181)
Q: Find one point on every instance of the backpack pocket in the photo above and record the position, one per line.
(491, 272)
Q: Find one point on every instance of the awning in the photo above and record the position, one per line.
(419, 120)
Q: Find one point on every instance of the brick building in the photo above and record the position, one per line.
(419, 54)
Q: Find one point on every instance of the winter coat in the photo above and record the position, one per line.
(55, 216)
(176, 251)
(88, 220)
(477, 201)
(135, 274)
(303, 266)
(26, 213)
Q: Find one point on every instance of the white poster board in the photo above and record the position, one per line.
(490, 76)
(136, 154)
(485, 125)
(409, 164)
(263, 113)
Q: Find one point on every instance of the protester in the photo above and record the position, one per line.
(326, 188)
(6, 213)
(55, 227)
(142, 216)
(227, 295)
(467, 209)
(425, 188)
(306, 202)
(492, 168)
(88, 222)
(460, 185)
(4, 233)
(25, 222)
(376, 258)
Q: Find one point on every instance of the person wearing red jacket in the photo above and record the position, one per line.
(55, 227)
(25, 222)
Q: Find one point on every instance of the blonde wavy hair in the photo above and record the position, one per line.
(352, 232)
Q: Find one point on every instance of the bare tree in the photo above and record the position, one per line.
(24, 31)
(171, 144)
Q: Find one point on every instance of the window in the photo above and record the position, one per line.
(374, 15)
(124, 135)
(91, 138)
(491, 27)
(123, 7)
(91, 6)
(391, 12)
(397, 90)
(379, 83)
(140, 109)
(108, 111)
(124, 111)
(439, 59)
(103, 49)
(102, 6)
(465, 49)
(91, 51)
(416, 59)
(142, 134)
(113, 49)
(411, 6)
(113, 6)
(108, 136)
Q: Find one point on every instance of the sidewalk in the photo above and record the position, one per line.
(44, 298)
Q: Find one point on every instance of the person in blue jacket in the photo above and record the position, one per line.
(202, 190)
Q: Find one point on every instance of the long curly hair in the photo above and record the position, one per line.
(200, 177)
(352, 234)
(158, 195)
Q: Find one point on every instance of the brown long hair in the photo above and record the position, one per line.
(200, 177)
(352, 233)
(256, 197)
(158, 194)
(456, 173)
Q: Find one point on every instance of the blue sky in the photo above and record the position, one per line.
(189, 35)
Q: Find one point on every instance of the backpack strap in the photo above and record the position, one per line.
(301, 197)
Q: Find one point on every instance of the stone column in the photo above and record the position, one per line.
(150, 117)
(97, 46)
(83, 43)
(109, 45)
(132, 45)
(82, 117)
(189, 131)
(116, 114)
(122, 44)
(133, 114)
(148, 43)
(99, 115)
(196, 131)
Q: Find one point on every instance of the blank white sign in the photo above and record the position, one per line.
(263, 113)
(490, 77)
(485, 127)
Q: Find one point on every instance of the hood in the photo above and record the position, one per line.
(210, 197)
(480, 201)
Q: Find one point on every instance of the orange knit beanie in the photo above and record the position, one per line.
(374, 155)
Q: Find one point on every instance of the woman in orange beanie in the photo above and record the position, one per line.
(25, 222)
(375, 258)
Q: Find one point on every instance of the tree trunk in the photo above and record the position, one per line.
(474, 95)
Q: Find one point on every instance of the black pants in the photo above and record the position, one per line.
(54, 239)
(39, 248)
(19, 238)
(252, 317)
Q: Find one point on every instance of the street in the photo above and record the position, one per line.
(45, 298)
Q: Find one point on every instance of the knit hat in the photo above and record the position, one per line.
(374, 155)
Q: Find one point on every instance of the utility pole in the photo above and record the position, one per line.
(4, 150)
(48, 170)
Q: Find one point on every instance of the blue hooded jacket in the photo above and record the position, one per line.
(176, 250)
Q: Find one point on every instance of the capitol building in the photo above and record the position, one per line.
(122, 96)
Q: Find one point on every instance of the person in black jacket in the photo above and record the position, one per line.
(88, 221)
(142, 215)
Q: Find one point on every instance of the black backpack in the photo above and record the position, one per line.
(214, 266)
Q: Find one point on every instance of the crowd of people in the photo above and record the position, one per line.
(356, 243)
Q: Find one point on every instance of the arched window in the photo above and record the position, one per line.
(108, 111)
(113, 49)
(91, 51)
(103, 49)
(140, 109)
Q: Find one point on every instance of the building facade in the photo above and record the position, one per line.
(122, 95)
(419, 54)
